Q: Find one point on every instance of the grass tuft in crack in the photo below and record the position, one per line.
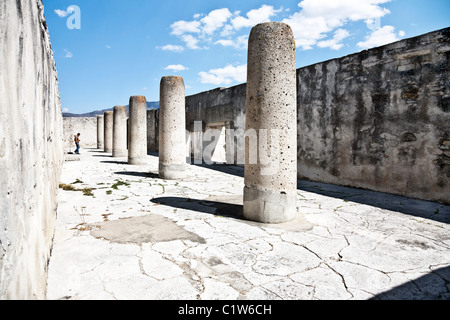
(68, 187)
(119, 183)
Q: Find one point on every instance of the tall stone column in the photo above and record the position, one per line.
(108, 133)
(120, 132)
(172, 128)
(270, 176)
(100, 131)
(137, 147)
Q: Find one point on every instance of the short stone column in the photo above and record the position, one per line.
(137, 130)
(120, 132)
(100, 131)
(270, 192)
(108, 117)
(172, 128)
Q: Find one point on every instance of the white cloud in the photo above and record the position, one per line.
(336, 42)
(61, 13)
(225, 42)
(338, 11)
(215, 20)
(205, 27)
(172, 47)
(191, 41)
(317, 18)
(108, 46)
(225, 75)
(176, 67)
(239, 43)
(209, 78)
(254, 17)
(227, 30)
(65, 110)
(379, 37)
(321, 23)
(182, 27)
(373, 23)
(68, 54)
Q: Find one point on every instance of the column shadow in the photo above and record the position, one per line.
(431, 286)
(225, 209)
(224, 168)
(102, 155)
(138, 174)
(115, 162)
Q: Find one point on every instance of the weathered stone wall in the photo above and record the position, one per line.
(218, 105)
(379, 119)
(221, 105)
(31, 149)
(87, 126)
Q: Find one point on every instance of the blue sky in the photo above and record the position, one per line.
(112, 49)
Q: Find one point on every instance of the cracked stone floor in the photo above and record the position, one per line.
(123, 233)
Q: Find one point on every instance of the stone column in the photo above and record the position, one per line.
(172, 128)
(128, 133)
(108, 133)
(120, 132)
(100, 131)
(270, 192)
(137, 148)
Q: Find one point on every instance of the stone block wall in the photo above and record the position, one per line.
(87, 126)
(379, 119)
(31, 149)
(218, 105)
(218, 108)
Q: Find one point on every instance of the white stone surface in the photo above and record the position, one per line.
(359, 249)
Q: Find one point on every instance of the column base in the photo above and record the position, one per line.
(172, 171)
(119, 153)
(138, 161)
(269, 206)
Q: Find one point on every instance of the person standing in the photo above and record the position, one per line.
(77, 143)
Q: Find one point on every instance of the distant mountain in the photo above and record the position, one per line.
(150, 106)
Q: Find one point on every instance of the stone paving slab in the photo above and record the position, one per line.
(70, 156)
(126, 234)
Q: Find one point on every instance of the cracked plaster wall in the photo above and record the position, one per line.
(31, 149)
(379, 119)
